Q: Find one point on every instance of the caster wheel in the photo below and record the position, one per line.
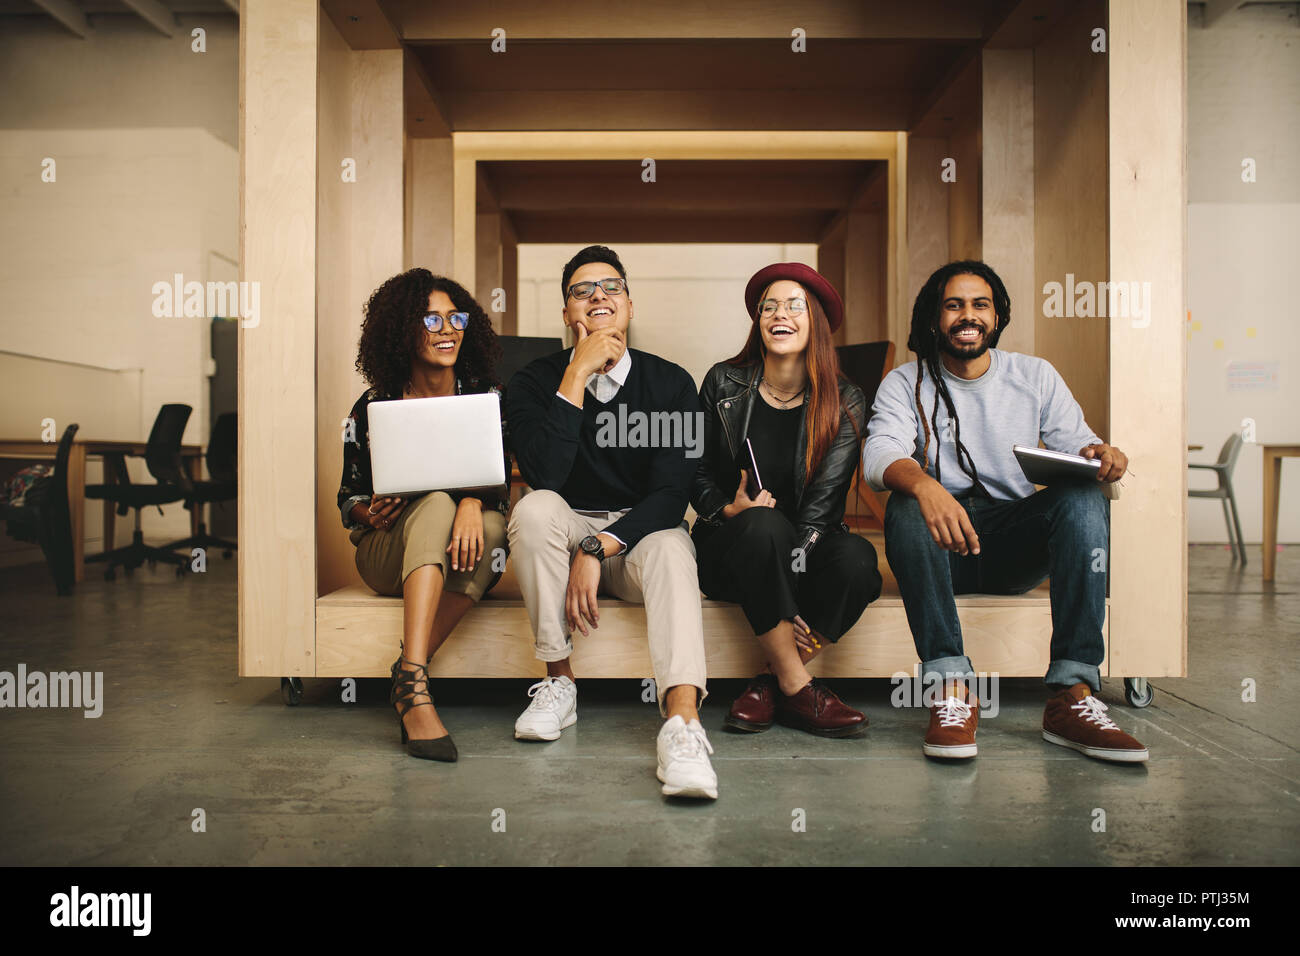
(110, 575)
(180, 570)
(1138, 691)
(129, 571)
(153, 565)
(291, 690)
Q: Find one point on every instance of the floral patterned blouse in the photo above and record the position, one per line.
(357, 484)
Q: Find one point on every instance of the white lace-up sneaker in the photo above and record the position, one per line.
(684, 767)
(553, 707)
(953, 724)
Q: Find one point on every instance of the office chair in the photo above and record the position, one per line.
(1223, 469)
(222, 456)
(45, 519)
(162, 456)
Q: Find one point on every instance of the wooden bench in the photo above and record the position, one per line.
(357, 633)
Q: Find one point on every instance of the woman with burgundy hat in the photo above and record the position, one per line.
(783, 431)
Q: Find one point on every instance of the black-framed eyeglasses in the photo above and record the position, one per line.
(459, 321)
(584, 290)
(795, 305)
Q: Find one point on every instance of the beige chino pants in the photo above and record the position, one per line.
(659, 572)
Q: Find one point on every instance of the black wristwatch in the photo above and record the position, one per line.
(591, 545)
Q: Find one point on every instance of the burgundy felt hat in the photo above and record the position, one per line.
(806, 276)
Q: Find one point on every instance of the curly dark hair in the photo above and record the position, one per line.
(923, 339)
(393, 331)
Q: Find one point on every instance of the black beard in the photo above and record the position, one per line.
(963, 353)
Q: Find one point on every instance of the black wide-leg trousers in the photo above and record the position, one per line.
(751, 561)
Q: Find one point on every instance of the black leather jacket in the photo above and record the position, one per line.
(726, 398)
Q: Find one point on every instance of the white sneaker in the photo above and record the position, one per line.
(684, 767)
(553, 707)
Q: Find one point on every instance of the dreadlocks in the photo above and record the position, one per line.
(923, 339)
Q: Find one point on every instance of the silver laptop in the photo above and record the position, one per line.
(436, 444)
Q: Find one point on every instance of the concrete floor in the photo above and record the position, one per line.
(328, 783)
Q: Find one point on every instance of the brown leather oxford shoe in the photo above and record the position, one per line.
(817, 710)
(753, 710)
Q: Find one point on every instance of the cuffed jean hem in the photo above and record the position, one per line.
(948, 668)
(1069, 673)
(552, 654)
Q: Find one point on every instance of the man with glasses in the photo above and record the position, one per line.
(607, 514)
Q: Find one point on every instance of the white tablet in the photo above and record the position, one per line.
(436, 444)
(1044, 467)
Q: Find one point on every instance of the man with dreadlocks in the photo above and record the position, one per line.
(964, 518)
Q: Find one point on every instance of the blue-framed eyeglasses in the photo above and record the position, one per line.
(795, 305)
(584, 290)
(459, 321)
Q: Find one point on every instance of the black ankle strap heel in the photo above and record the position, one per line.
(408, 683)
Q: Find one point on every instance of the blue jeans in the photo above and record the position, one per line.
(1061, 532)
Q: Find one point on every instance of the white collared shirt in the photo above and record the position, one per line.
(605, 385)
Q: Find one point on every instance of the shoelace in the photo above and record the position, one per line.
(689, 743)
(545, 692)
(953, 713)
(1094, 711)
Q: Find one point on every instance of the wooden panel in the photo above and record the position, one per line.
(277, 238)
(1007, 185)
(675, 144)
(429, 237)
(964, 226)
(1148, 360)
(1070, 203)
(358, 634)
(336, 320)
(927, 224)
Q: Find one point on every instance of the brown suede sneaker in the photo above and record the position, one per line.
(953, 723)
(1075, 719)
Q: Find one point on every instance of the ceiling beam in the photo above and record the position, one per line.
(676, 189)
(67, 14)
(490, 110)
(605, 20)
(363, 24)
(425, 116)
(1215, 10)
(565, 227)
(154, 14)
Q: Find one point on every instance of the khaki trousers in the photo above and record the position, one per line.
(420, 536)
(659, 573)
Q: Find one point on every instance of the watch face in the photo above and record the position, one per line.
(591, 545)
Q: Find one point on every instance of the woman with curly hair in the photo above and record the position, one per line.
(423, 336)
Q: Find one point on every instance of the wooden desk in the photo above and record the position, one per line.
(26, 448)
(1273, 455)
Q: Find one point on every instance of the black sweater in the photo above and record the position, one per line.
(554, 443)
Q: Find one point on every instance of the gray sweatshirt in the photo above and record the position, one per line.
(1018, 401)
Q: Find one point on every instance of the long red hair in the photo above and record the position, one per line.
(823, 365)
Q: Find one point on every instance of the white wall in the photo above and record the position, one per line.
(688, 298)
(144, 134)
(1243, 246)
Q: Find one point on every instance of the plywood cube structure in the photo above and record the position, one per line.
(1066, 158)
